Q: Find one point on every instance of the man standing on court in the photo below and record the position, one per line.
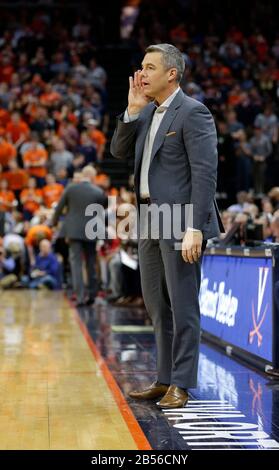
(173, 140)
(75, 199)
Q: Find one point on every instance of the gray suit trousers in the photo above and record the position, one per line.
(83, 251)
(170, 290)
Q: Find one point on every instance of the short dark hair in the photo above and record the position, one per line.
(171, 58)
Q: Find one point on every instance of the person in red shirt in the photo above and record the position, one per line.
(50, 97)
(17, 130)
(17, 178)
(4, 117)
(7, 197)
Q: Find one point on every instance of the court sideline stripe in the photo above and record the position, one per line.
(128, 416)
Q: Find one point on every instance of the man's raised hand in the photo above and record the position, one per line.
(137, 100)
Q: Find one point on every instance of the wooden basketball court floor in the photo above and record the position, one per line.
(56, 391)
(65, 377)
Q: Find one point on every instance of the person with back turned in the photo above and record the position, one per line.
(173, 139)
(75, 199)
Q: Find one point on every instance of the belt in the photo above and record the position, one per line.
(145, 200)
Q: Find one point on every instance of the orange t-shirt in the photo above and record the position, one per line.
(221, 74)
(98, 137)
(17, 179)
(6, 199)
(31, 205)
(52, 193)
(31, 236)
(17, 129)
(100, 179)
(33, 156)
(50, 98)
(7, 152)
(234, 100)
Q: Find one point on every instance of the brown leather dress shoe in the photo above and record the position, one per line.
(174, 398)
(155, 390)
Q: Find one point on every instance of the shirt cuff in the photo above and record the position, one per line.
(191, 229)
(130, 117)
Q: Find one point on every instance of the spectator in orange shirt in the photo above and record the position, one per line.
(17, 130)
(34, 236)
(221, 74)
(31, 199)
(32, 138)
(103, 181)
(52, 191)
(7, 152)
(97, 137)
(7, 197)
(37, 233)
(50, 97)
(35, 162)
(17, 178)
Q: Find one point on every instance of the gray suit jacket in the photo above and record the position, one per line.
(183, 166)
(75, 198)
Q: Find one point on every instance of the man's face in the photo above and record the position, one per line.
(50, 179)
(155, 78)
(45, 247)
(3, 185)
(31, 183)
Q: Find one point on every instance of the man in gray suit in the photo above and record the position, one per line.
(76, 198)
(173, 140)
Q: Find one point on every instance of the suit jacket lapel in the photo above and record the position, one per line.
(166, 123)
(164, 126)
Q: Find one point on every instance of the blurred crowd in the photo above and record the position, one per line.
(53, 123)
